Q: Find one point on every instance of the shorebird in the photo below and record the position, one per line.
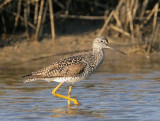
(74, 68)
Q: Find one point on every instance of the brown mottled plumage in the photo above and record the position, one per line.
(74, 68)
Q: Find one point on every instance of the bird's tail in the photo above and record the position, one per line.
(30, 78)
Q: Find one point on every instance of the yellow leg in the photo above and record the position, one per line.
(62, 96)
(69, 94)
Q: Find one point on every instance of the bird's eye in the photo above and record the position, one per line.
(102, 41)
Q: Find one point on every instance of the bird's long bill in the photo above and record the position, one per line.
(117, 50)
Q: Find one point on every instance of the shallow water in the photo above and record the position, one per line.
(120, 90)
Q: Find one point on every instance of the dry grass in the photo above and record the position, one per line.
(131, 19)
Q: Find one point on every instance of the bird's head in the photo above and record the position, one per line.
(102, 43)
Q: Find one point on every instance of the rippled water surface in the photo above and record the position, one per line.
(119, 91)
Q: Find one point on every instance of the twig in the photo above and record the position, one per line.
(100, 5)
(52, 19)
(80, 17)
(26, 19)
(148, 17)
(4, 23)
(154, 29)
(135, 8)
(60, 4)
(39, 20)
(117, 19)
(68, 2)
(144, 6)
(153, 38)
(119, 5)
(36, 12)
(129, 16)
(17, 16)
(156, 34)
(5, 3)
(120, 30)
(44, 16)
(106, 23)
(155, 16)
(28, 8)
(32, 1)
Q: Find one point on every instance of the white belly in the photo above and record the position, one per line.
(65, 79)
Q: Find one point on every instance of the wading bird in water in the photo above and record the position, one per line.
(74, 68)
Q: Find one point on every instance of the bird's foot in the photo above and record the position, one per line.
(76, 103)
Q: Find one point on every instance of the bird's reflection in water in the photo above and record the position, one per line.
(72, 111)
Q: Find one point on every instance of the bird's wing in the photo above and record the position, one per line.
(67, 71)
(42, 72)
(68, 67)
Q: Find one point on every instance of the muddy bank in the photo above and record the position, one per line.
(26, 51)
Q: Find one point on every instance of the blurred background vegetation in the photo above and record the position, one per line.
(138, 21)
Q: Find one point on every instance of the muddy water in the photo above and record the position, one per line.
(122, 89)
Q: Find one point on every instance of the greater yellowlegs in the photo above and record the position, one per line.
(74, 68)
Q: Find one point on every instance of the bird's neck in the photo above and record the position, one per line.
(99, 53)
